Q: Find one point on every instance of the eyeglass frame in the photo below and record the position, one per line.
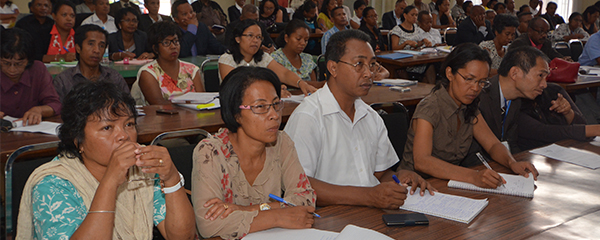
(253, 37)
(359, 63)
(170, 42)
(253, 107)
(471, 81)
(541, 32)
(21, 64)
(130, 20)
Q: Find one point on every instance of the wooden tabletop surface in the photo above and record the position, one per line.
(566, 205)
(411, 61)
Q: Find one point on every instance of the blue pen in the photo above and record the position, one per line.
(290, 204)
(396, 179)
(65, 49)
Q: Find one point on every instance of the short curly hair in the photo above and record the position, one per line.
(100, 99)
(159, 31)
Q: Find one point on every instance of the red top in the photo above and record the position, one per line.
(56, 43)
(536, 46)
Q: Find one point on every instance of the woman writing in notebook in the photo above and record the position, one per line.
(446, 122)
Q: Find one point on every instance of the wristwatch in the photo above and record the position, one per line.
(265, 206)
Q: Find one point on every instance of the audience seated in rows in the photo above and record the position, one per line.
(166, 77)
(338, 16)
(489, 16)
(369, 26)
(425, 21)
(474, 28)
(533, 7)
(61, 39)
(590, 16)
(421, 6)
(340, 3)
(101, 17)
(270, 13)
(152, 16)
(250, 11)
(292, 42)
(524, 19)
(457, 11)
(235, 11)
(447, 121)
(235, 169)
(87, 6)
(393, 18)
(408, 35)
(341, 142)
(500, 8)
(442, 18)
(128, 42)
(196, 38)
(244, 50)
(551, 16)
(524, 8)
(537, 36)
(510, 7)
(591, 51)
(88, 180)
(504, 27)
(308, 13)
(116, 6)
(210, 13)
(325, 15)
(359, 6)
(27, 91)
(90, 42)
(571, 30)
(8, 13)
(38, 24)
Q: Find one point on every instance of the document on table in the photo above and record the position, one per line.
(516, 185)
(570, 155)
(44, 127)
(214, 104)
(395, 56)
(350, 232)
(196, 97)
(134, 62)
(395, 82)
(451, 207)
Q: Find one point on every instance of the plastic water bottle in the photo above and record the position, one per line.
(105, 59)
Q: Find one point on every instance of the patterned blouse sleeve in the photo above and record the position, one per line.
(210, 180)
(160, 207)
(58, 209)
(295, 182)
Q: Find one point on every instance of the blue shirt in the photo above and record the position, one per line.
(591, 51)
(326, 37)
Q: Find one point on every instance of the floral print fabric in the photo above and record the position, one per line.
(169, 87)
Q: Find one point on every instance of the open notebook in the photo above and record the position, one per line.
(451, 207)
(516, 185)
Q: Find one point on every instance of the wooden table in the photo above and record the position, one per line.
(591, 85)
(566, 204)
(393, 65)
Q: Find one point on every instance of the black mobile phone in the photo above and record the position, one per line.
(167, 111)
(409, 219)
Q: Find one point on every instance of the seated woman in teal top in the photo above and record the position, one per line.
(103, 184)
(292, 41)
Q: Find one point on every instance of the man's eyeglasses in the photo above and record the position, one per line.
(263, 108)
(167, 43)
(19, 64)
(361, 66)
(471, 81)
(252, 37)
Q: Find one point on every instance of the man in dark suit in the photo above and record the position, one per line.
(235, 11)
(251, 12)
(39, 25)
(116, 6)
(551, 16)
(522, 74)
(148, 19)
(392, 18)
(196, 39)
(474, 28)
(537, 36)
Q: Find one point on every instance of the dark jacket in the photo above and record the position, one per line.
(538, 126)
(376, 40)
(39, 32)
(198, 5)
(490, 109)
(388, 21)
(267, 41)
(116, 6)
(468, 32)
(553, 20)
(205, 41)
(300, 15)
(115, 43)
(547, 49)
(233, 13)
(145, 22)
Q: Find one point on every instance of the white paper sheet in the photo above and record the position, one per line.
(294, 98)
(570, 155)
(446, 206)
(196, 97)
(44, 127)
(292, 234)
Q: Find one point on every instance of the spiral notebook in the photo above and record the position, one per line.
(451, 207)
(516, 185)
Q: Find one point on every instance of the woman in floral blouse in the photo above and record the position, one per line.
(293, 40)
(235, 170)
(166, 77)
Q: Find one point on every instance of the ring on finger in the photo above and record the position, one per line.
(160, 162)
(226, 206)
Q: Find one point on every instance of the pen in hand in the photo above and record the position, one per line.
(289, 204)
(488, 166)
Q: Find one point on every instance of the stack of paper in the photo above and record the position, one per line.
(44, 127)
(350, 232)
(395, 82)
(294, 98)
(570, 155)
(196, 97)
(456, 208)
(411, 52)
(516, 185)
